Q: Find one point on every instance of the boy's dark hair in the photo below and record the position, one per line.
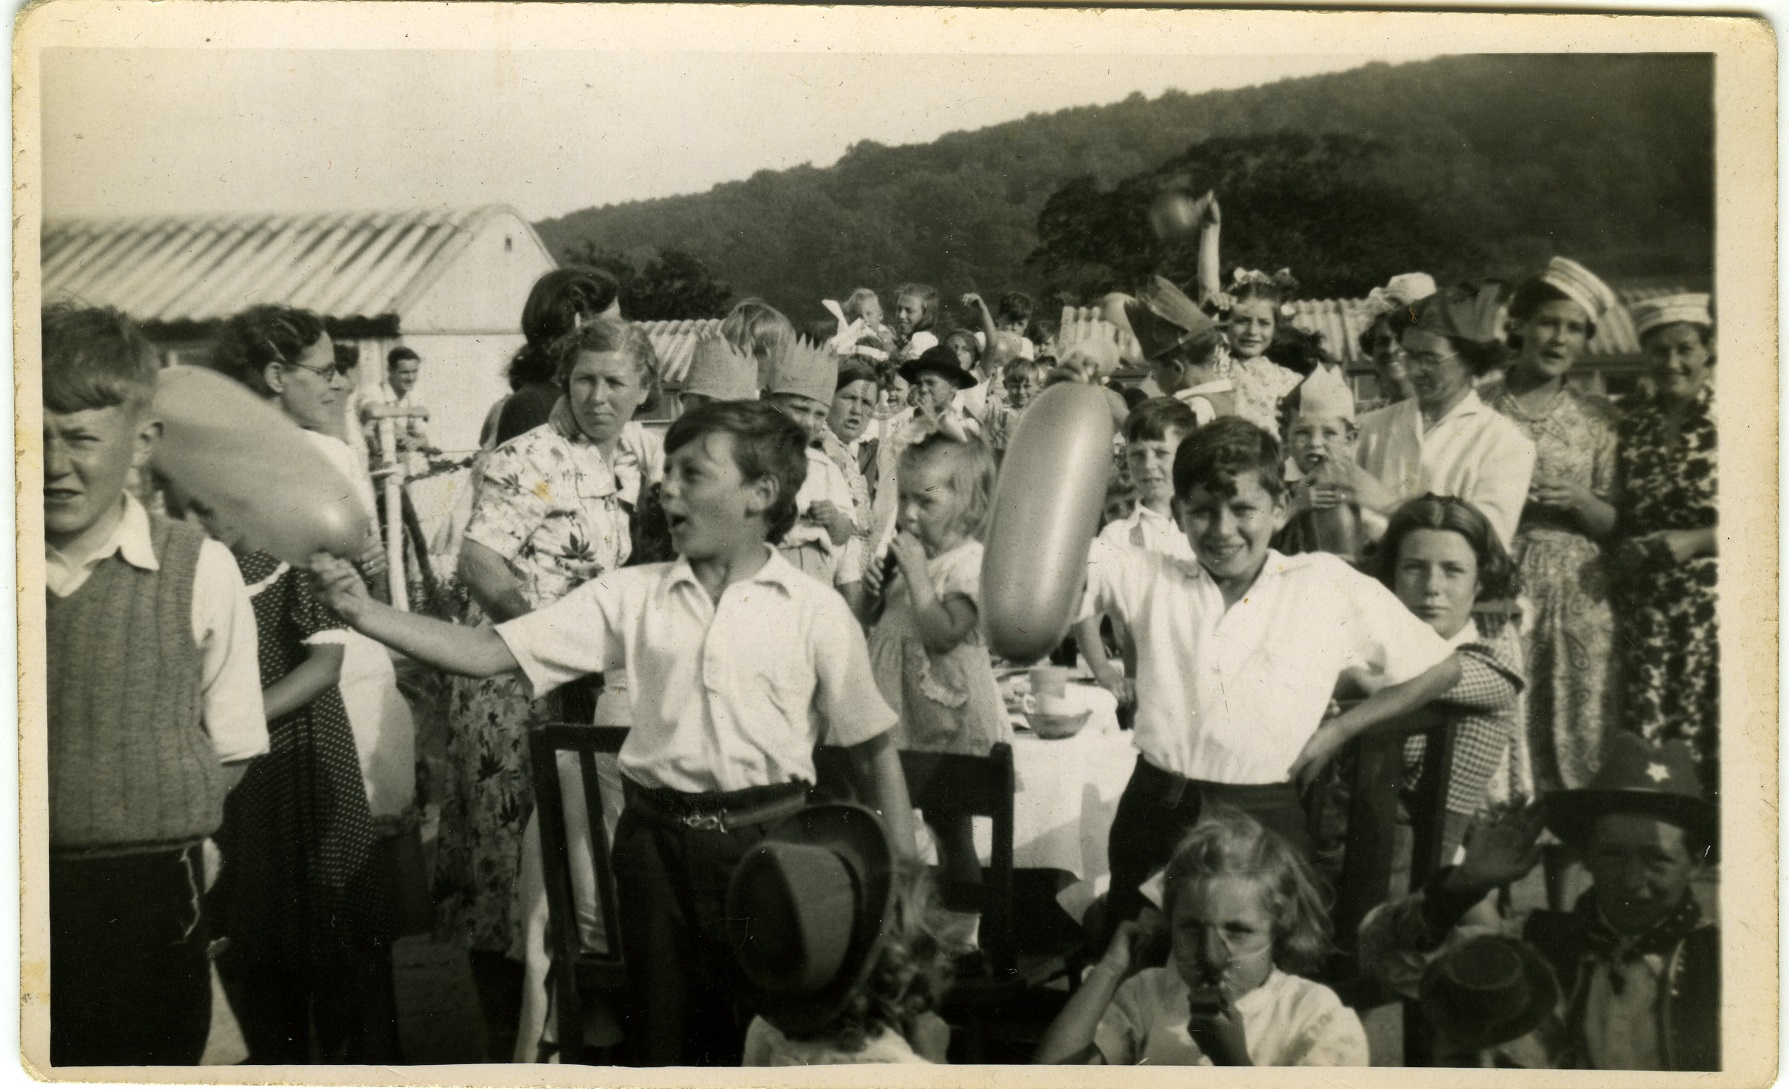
(1215, 456)
(766, 443)
(1015, 307)
(347, 355)
(95, 357)
(1298, 350)
(399, 354)
(1498, 579)
(851, 371)
(1153, 419)
(260, 336)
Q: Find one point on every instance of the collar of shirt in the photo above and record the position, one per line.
(1470, 405)
(1467, 634)
(776, 572)
(64, 574)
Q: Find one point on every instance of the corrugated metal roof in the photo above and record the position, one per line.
(675, 343)
(1341, 321)
(173, 270)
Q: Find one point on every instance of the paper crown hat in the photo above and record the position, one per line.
(1636, 776)
(807, 370)
(1581, 286)
(1326, 393)
(1650, 314)
(1162, 318)
(1464, 312)
(806, 912)
(717, 370)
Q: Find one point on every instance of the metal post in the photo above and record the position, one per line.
(394, 513)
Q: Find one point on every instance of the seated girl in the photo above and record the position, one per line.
(1244, 915)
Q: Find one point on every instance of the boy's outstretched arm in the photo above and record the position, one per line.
(1386, 704)
(876, 767)
(469, 652)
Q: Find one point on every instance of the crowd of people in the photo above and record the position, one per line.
(796, 562)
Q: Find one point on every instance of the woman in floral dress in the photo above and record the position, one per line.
(552, 512)
(1666, 515)
(1571, 692)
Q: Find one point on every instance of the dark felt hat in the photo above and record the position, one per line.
(1637, 776)
(1487, 991)
(1162, 318)
(938, 359)
(806, 910)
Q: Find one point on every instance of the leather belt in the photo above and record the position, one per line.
(717, 812)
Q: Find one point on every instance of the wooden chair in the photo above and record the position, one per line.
(575, 969)
(1374, 783)
(976, 786)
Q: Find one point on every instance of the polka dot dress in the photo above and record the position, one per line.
(298, 888)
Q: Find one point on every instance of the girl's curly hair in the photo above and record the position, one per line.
(913, 972)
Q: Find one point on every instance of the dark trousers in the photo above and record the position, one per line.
(130, 984)
(1157, 810)
(350, 1009)
(686, 995)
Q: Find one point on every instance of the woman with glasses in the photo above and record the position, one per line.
(299, 900)
(1444, 439)
(1558, 548)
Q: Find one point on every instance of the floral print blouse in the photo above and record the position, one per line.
(553, 506)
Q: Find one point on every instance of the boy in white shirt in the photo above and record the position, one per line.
(738, 666)
(1238, 655)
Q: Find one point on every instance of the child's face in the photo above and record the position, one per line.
(87, 456)
(1317, 439)
(1150, 465)
(930, 507)
(1640, 868)
(1251, 327)
(1437, 578)
(910, 310)
(937, 389)
(1222, 935)
(1023, 387)
(850, 412)
(965, 349)
(710, 507)
(808, 414)
(899, 392)
(1230, 533)
(870, 312)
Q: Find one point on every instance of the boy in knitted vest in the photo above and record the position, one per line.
(154, 710)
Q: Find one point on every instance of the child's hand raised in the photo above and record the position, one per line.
(1218, 1031)
(911, 555)
(1124, 951)
(1500, 850)
(971, 300)
(337, 584)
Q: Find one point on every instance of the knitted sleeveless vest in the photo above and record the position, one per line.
(130, 761)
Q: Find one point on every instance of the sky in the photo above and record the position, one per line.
(144, 131)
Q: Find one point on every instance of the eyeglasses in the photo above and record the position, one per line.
(324, 373)
(1427, 360)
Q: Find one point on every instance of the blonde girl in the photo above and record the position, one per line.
(1244, 917)
(926, 648)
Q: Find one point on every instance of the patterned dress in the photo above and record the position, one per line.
(948, 701)
(1572, 689)
(1670, 642)
(1260, 385)
(299, 897)
(551, 505)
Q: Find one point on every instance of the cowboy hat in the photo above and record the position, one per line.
(940, 360)
(1487, 991)
(806, 910)
(1636, 777)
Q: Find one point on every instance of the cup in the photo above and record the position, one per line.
(1049, 682)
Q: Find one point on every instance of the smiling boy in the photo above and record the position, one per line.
(738, 665)
(154, 710)
(1238, 654)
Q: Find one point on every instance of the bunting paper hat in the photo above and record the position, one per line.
(1325, 393)
(1404, 289)
(806, 370)
(1162, 318)
(1463, 313)
(1581, 286)
(717, 370)
(1650, 314)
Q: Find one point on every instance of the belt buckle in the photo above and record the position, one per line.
(706, 822)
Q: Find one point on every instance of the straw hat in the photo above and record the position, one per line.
(1694, 308)
(1581, 286)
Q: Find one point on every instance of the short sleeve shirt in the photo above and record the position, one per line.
(726, 694)
(1150, 531)
(1232, 695)
(1287, 1021)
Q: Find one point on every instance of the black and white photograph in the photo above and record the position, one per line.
(580, 538)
